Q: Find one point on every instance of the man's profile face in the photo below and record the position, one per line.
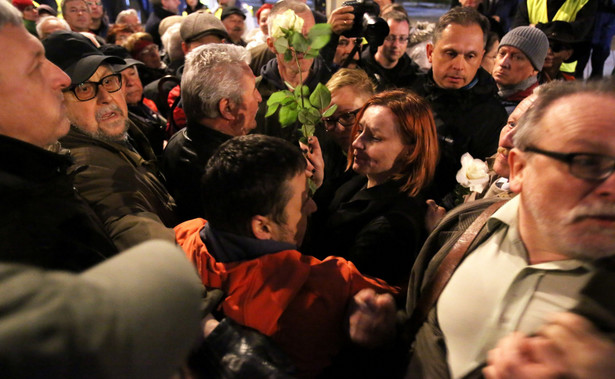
(32, 107)
(78, 15)
(559, 212)
(245, 112)
(505, 144)
(235, 26)
(297, 210)
(395, 44)
(131, 84)
(102, 117)
(457, 55)
(511, 67)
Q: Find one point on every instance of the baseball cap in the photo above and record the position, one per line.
(230, 11)
(76, 55)
(122, 53)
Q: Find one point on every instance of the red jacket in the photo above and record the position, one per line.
(296, 299)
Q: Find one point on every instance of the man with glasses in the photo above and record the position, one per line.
(463, 96)
(390, 66)
(115, 167)
(536, 283)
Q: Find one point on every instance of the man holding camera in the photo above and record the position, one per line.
(390, 66)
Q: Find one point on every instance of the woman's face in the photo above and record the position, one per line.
(377, 145)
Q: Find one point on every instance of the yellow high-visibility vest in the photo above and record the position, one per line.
(537, 12)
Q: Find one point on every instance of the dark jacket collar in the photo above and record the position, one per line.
(30, 161)
(485, 86)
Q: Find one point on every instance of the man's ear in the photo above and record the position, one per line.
(225, 107)
(185, 48)
(517, 161)
(429, 49)
(262, 227)
(270, 45)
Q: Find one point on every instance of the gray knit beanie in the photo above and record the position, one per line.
(531, 41)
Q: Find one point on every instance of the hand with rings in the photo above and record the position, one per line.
(341, 19)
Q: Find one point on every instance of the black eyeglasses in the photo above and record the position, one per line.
(88, 90)
(582, 165)
(345, 119)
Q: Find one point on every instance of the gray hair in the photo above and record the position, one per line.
(212, 72)
(9, 14)
(172, 42)
(284, 5)
(44, 20)
(528, 131)
(126, 12)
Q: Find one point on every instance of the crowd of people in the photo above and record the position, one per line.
(161, 220)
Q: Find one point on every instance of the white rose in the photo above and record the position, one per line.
(474, 173)
(287, 20)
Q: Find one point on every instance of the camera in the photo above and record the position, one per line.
(367, 24)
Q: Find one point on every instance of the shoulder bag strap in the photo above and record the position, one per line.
(434, 288)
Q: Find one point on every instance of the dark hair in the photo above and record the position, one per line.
(492, 39)
(417, 129)
(249, 176)
(464, 16)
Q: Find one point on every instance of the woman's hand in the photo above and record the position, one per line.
(315, 163)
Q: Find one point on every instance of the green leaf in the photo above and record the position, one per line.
(309, 116)
(302, 116)
(309, 129)
(290, 98)
(329, 112)
(299, 43)
(288, 115)
(288, 55)
(313, 116)
(276, 98)
(302, 90)
(319, 35)
(311, 54)
(271, 109)
(321, 97)
(281, 46)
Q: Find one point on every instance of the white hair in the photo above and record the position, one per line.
(212, 72)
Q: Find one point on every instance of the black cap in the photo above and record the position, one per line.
(76, 55)
(561, 32)
(231, 10)
(122, 53)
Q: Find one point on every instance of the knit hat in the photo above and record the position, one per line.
(200, 24)
(531, 41)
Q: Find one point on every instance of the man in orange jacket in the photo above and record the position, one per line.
(257, 199)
